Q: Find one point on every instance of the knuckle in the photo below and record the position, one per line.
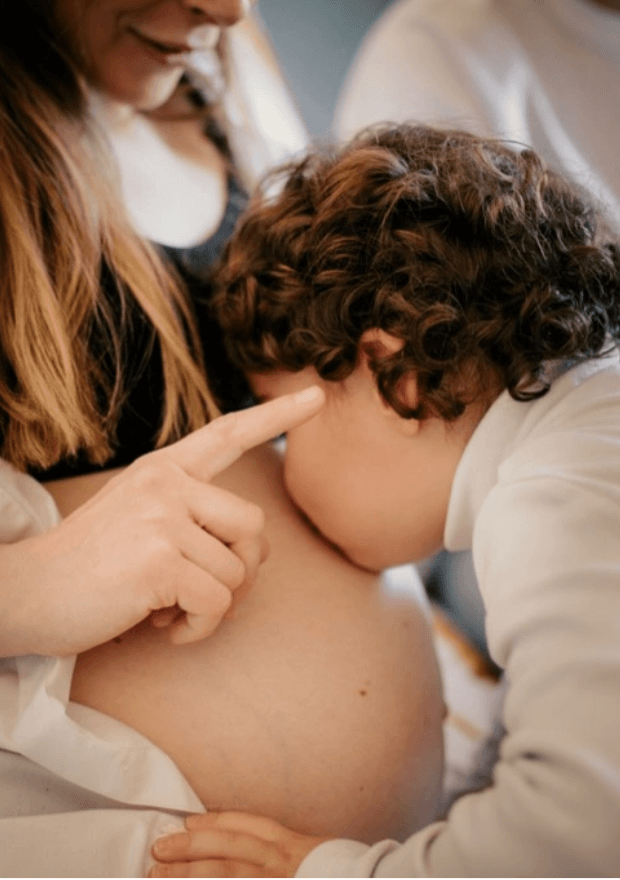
(157, 546)
(156, 518)
(152, 473)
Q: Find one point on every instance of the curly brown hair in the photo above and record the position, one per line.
(470, 252)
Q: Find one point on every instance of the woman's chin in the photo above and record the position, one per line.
(145, 93)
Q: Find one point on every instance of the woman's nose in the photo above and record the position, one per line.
(222, 12)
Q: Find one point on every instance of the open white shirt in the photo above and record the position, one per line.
(82, 795)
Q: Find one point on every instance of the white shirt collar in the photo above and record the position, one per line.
(504, 426)
(476, 473)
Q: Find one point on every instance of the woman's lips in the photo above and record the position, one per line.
(165, 52)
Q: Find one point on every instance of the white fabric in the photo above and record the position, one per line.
(537, 497)
(80, 793)
(545, 73)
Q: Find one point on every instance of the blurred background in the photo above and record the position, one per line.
(320, 36)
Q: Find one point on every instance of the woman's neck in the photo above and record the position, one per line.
(173, 177)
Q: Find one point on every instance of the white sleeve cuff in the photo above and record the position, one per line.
(344, 858)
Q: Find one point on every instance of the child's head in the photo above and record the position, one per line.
(416, 274)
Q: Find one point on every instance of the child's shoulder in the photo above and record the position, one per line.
(574, 428)
(582, 393)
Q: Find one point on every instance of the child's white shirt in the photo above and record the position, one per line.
(537, 497)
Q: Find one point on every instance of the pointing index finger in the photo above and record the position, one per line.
(210, 450)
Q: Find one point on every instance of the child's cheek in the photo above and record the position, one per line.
(296, 479)
(316, 495)
(304, 483)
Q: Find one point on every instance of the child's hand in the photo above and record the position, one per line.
(232, 845)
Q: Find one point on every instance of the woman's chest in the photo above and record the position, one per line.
(173, 179)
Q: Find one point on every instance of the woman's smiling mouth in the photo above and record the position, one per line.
(165, 52)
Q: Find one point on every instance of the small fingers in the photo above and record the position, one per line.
(216, 844)
(211, 868)
(237, 820)
(212, 844)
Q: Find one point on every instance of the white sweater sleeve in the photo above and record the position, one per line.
(547, 550)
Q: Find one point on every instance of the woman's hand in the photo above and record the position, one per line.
(157, 536)
(232, 845)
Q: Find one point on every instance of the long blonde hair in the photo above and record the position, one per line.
(62, 224)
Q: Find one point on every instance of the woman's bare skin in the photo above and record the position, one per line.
(317, 704)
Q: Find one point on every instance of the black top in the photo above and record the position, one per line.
(141, 413)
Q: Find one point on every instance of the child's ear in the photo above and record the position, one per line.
(376, 343)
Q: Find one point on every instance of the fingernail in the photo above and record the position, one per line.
(166, 846)
(310, 394)
(160, 847)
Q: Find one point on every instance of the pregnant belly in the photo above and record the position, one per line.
(318, 703)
